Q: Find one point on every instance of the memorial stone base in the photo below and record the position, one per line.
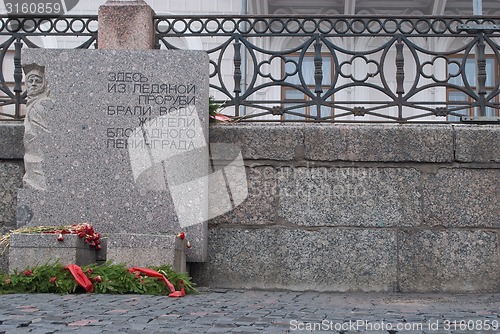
(147, 250)
(31, 250)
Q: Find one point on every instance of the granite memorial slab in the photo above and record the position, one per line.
(118, 139)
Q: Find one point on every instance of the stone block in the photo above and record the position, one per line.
(449, 261)
(11, 174)
(277, 142)
(459, 197)
(334, 259)
(4, 260)
(126, 25)
(348, 196)
(387, 143)
(141, 250)
(101, 254)
(11, 137)
(259, 208)
(30, 250)
(477, 143)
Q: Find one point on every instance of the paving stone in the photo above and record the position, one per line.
(210, 312)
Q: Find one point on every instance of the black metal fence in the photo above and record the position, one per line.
(316, 69)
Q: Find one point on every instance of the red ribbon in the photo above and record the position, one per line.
(85, 283)
(153, 273)
(80, 277)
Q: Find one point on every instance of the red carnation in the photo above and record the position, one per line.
(53, 280)
(27, 273)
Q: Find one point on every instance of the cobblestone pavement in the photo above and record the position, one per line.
(250, 311)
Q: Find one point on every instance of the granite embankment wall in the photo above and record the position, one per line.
(409, 208)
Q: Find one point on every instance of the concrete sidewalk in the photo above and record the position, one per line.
(250, 311)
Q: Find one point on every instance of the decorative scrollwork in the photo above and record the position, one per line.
(316, 68)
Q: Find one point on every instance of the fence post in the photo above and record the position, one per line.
(126, 25)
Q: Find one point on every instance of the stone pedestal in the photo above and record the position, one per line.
(31, 250)
(126, 25)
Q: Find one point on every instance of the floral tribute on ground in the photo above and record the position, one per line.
(103, 278)
(98, 278)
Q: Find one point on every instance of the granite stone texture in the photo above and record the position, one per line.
(449, 261)
(330, 259)
(4, 260)
(277, 142)
(348, 196)
(126, 146)
(142, 250)
(259, 208)
(459, 197)
(370, 142)
(11, 137)
(30, 250)
(11, 174)
(477, 143)
(126, 25)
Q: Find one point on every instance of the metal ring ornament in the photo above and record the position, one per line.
(191, 26)
(26, 27)
(227, 21)
(13, 28)
(361, 22)
(325, 22)
(175, 25)
(407, 22)
(339, 24)
(274, 22)
(314, 26)
(89, 22)
(288, 26)
(59, 21)
(75, 21)
(255, 26)
(435, 26)
(422, 26)
(158, 25)
(386, 26)
(241, 23)
(217, 25)
(374, 26)
(50, 24)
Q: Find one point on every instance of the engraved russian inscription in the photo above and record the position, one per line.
(168, 108)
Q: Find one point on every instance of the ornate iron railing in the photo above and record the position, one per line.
(335, 69)
(319, 69)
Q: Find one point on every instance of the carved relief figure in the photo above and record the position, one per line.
(35, 125)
